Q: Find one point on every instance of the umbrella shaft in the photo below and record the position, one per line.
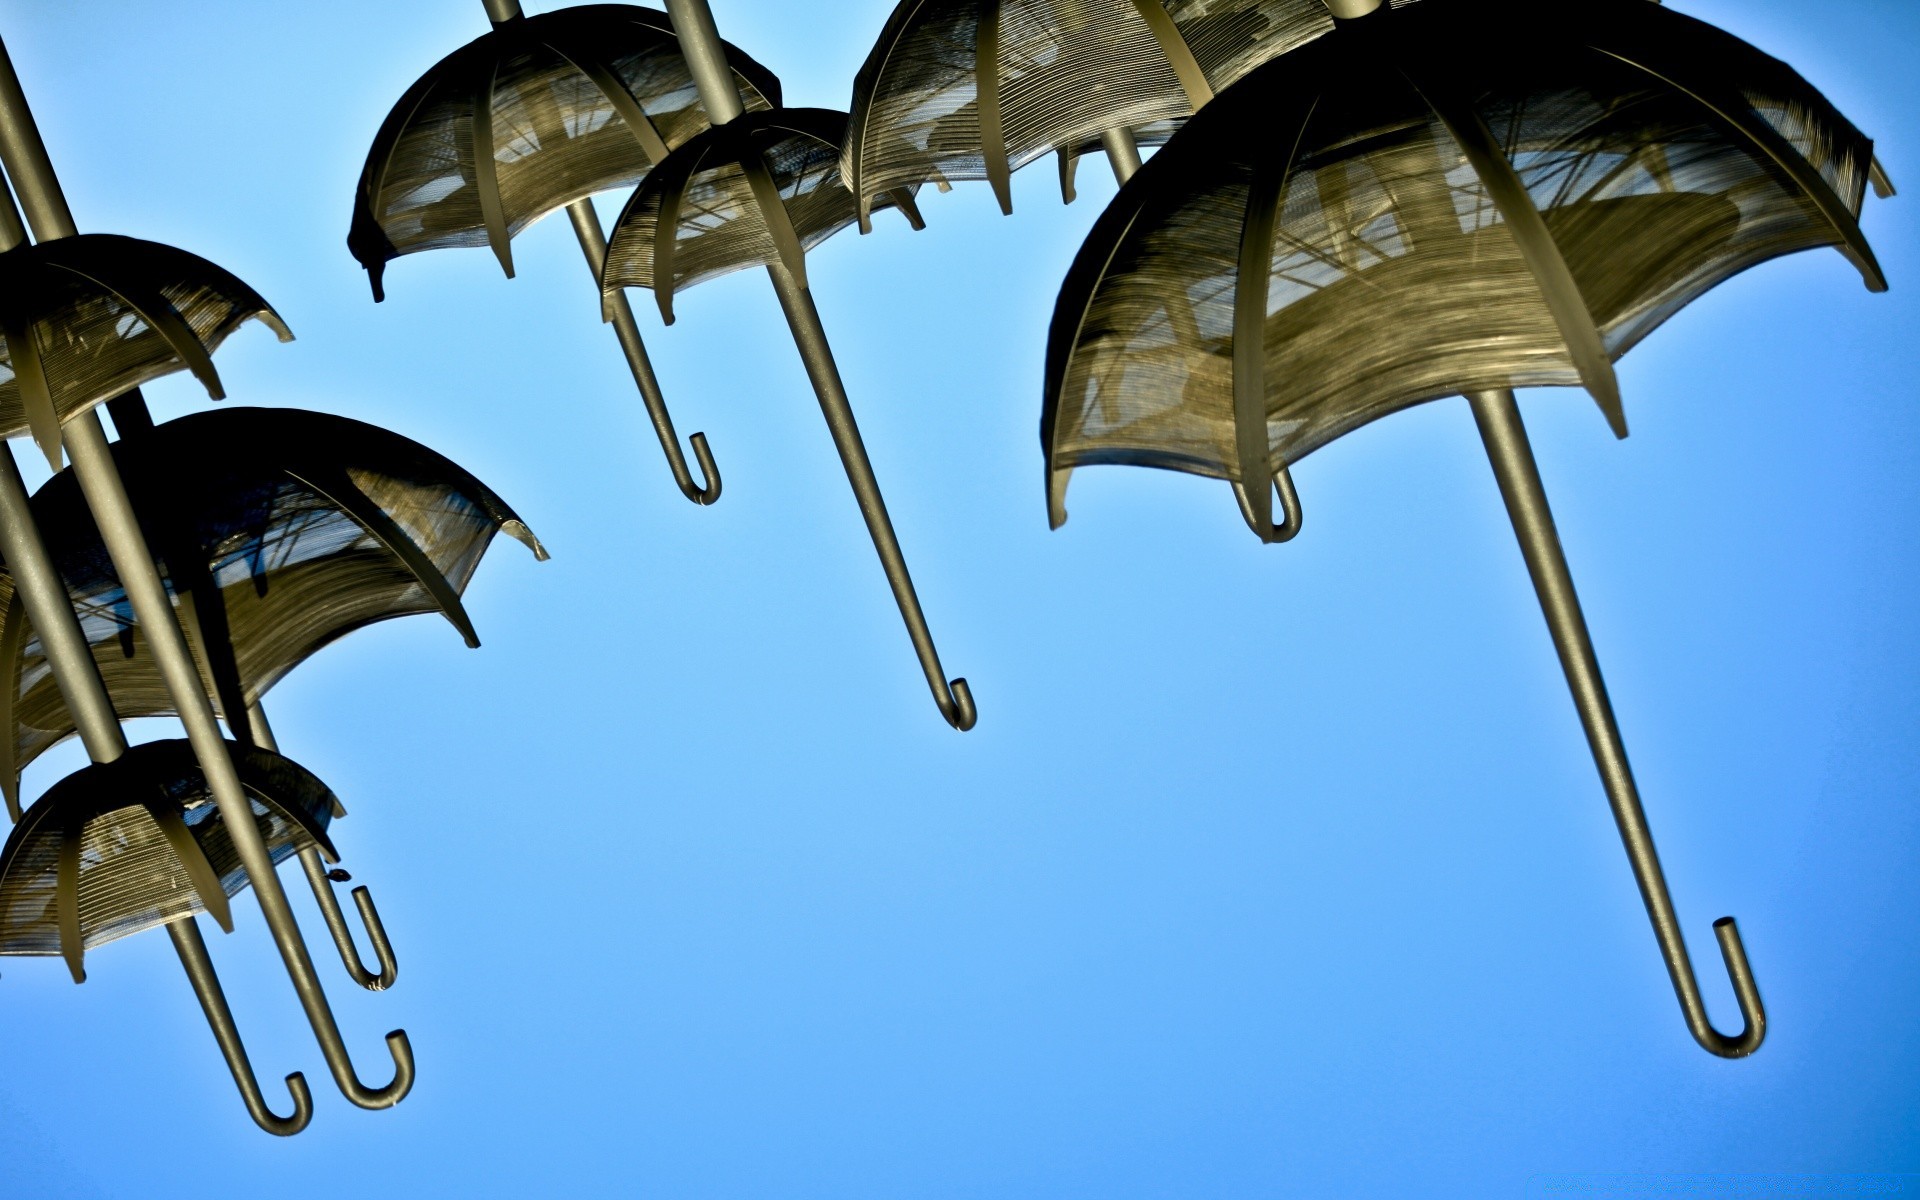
(706, 57)
(810, 337)
(1505, 436)
(1123, 153)
(593, 244)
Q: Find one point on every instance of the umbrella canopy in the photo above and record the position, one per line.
(1455, 196)
(120, 847)
(280, 531)
(89, 317)
(761, 189)
(1461, 196)
(566, 104)
(976, 89)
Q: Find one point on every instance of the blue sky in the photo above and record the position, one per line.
(1269, 871)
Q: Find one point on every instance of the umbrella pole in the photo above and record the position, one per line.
(1498, 417)
(593, 243)
(25, 158)
(1123, 153)
(706, 59)
(192, 949)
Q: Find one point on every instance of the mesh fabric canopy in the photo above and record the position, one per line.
(86, 318)
(566, 104)
(974, 89)
(120, 847)
(761, 189)
(278, 531)
(1456, 196)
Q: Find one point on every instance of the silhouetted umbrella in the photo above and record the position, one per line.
(567, 103)
(88, 317)
(280, 530)
(761, 189)
(1462, 196)
(976, 89)
(118, 848)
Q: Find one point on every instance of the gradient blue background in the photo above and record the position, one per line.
(1268, 871)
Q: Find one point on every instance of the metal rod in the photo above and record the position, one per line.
(1123, 153)
(321, 881)
(1498, 417)
(25, 159)
(593, 243)
(706, 60)
(192, 949)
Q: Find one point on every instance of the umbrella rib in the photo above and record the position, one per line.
(30, 377)
(862, 115)
(1192, 79)
(986, 75)
(1853, 243)
(666, 231)
(486, 176)
(66, 898)
(375, 521)
(152, 306)
(1528, 228)
(12, 639)
(166, 814)
(602, 77)
(773, 211)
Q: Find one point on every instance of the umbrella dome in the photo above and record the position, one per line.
(89, 317)
(1456, 196)
(567, 103)
(120, 847)
(279, 531)
(976, 89)
(761, 189)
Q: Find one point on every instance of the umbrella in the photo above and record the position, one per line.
(568, 103)
(281, 531)
(88, 317)
(1459, 197)
(118, 848)
(28, 168)
(760, 189)
(976, 89)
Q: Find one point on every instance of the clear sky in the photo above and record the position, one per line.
(1268, 872)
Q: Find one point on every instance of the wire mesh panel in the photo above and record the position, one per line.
(561, 105)
(1399, 169)
(716, 221)
(1057, 75)
(125, 874)
(86, 318)
(279, 531)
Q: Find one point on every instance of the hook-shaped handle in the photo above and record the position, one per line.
(708, 471)
(1745, 990)
(363, 1096)
(192, 949)
(1264, 528)
(322, 883)
(956, 705)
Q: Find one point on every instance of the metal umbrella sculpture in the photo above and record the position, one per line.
(1457, 197)
(65, 364)
(758, 189)
(280, 532)
(976, 89)
(122, 846)
(566, 104)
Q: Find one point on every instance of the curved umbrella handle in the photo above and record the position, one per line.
(616, 311)
(956, 705)
(1266, 530)
(192, 949)
(322, 884)
(1745, 990)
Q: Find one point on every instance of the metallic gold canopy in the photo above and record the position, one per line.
(89, 317)
(279, 531)
(1452, 197)
(120, 847)
(761, 189)
(565, 104)
(976, 89)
